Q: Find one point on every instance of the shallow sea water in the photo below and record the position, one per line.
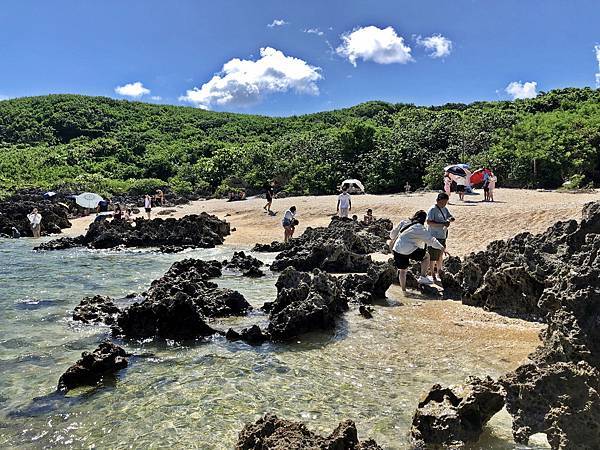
(200, 395)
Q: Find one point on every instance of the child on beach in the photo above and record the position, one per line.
(368, 219)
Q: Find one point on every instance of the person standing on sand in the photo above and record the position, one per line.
(289, 223)
(269, 196)
(35, 222)
(491, 186)
(409, 240)
(461, 182)
(438, 221)
(148, 205)
(344, 203)
(447, 184)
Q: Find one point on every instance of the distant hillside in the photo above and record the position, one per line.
(115, 146)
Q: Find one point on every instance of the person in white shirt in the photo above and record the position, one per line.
(344, 203)
(461, 183)
(409, 240)
(148, 205)
(35, 221)
(491, 186)
(289, 223)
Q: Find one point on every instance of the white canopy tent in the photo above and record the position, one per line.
(354, 186)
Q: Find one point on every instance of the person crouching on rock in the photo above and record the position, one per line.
(35, 222)
(289, 223)
(409, 240)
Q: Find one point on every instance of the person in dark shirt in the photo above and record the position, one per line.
(269, 196)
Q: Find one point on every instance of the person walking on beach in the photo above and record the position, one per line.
(269, 196)
(148, 205)
(409, 240)
(344, 203)
(289, 223)
(35, 222)
(438, 221)
(491, 186)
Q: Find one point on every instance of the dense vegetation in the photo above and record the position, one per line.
(106, 145)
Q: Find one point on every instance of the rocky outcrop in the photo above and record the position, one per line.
(178, 304)
(555, 277)
(96, 309)
(305, 302)
(107, 359)
(343, 247)
(247, 264)
(365, 288)
(452, 416)
(13, 213)
(193, 231)
(252, 335)
(272, 433)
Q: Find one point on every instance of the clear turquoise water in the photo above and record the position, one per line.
(200, 396)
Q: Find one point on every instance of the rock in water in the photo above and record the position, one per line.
(193, 231)
(107, 359)
(248, 265)
(305, 302)
(253, 335)
(96, 309)
(272, 433)
(456, 415)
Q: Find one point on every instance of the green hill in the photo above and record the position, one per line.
(106, 145)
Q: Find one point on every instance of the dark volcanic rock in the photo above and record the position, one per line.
(96, 309)
(272, 433)
(107, 359)
(305, 302)
(177, 304)
(365, 288)
(253, 335)
(343, 246)
(13, 213)
(193, 231)
(248, 265)
(456, 415)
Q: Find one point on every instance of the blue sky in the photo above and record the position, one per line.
(171, 47)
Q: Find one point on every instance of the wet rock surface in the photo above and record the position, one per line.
(272, 433)
(106, 360)
(192, 231)
(96, 309)
(343, 246)
(555, 277)
(247, 264)
(453, 416)
(252, 335)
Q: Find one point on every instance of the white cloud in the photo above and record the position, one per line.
(516, 89)
(135, 90)
(382, 46)
(313, 31)
(597, 51)
(278, 23)
(156, 98)
(244, 82)
(439, 45)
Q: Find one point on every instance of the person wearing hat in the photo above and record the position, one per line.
(438, 221)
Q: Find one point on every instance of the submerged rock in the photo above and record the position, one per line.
(253, 335)
(248, 265)
(107, 359)
(456, 415)
(272, 433)
(192, 231)
(96, 309)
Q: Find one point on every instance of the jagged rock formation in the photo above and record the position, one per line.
(107, 359)
(452, 416)
(343, 246)
(272, 433)
(554, 276)
(365, 288)
(248, 265)
(192, 231)
(13, 213)
(252, 335)
(96, 309)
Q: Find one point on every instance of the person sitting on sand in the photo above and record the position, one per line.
(438, 221)
(409, 240)
(368, 218)
(35, 222)
(344, 203)
(289, 223)
(148, 205)
(491, 186)
(127, 215)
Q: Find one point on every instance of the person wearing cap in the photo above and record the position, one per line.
(438, 221)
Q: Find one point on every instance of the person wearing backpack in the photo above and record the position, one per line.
(438, 221)
(409, 240)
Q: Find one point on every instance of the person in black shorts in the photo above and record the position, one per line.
(269, 196)
(409, 242)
